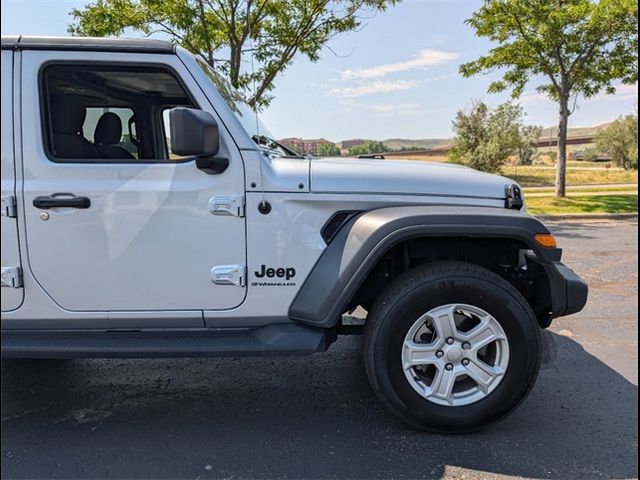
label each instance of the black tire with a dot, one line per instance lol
(416, 292)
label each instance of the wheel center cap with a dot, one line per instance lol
(454, 354)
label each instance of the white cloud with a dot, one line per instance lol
(425, 58)
(382, 109)
(372, 88)
(623, 92)
(533, 98)
(391, 107)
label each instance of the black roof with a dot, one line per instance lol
(137, 45)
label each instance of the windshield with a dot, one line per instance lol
(236, 103)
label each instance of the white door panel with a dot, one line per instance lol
(148, 241)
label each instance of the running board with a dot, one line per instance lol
(283, 339)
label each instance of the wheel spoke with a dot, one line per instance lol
(482, 334)
(444, 322)
(419, 353)
(442, 385)
(481, 373)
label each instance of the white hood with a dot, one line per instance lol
(409, 177)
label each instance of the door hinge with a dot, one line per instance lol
(11, 277)
(229, 275)
(8, 206)
(227, 205)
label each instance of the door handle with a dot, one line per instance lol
(57, 200)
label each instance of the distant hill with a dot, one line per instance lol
(394, 144)
(575, 132)
(426, 143)
(423, 143)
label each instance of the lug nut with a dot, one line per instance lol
(466, 345)
(450, 341)
(449, 366)
(465, 361)
(439, 353)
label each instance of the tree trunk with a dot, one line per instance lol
(561, 167)
(235, 60)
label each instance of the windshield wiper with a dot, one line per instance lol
(270, 143)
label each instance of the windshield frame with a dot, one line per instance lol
(246, 115)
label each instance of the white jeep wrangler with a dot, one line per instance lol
(146, 213)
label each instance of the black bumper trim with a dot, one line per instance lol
(568, 291)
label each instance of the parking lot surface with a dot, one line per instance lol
(317, 417)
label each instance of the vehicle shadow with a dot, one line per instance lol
(313, 417)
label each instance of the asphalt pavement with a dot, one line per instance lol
(317, 417)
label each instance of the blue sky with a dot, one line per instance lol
(397, 77)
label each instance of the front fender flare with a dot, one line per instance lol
(361, 243)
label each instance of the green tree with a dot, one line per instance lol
(620, 141)
(328, 150)
(528, 148)
(573, 47)
(590, 154)
(222, 32)
(367, 148)
(358, 150)
(486, 138)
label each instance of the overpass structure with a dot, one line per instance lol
(443, 150)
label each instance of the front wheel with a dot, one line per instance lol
(451, 347)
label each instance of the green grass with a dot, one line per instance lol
(583, 204)
(584, 164)
(586, 189)
(532, 176)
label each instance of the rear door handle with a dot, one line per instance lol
(61, 200)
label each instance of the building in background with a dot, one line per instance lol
(305, 146)
(345, 145)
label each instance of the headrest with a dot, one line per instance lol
(67, 114)
(108, 129)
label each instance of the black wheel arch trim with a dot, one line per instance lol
(364, 239)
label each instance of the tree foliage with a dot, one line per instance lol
(328, 150)
(485, 138)
(528, 148)
(590, 154)
(620, 141)
(369, 147)
(223, 32)
(571, 48)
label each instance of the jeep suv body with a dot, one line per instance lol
(146, 213)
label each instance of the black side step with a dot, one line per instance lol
(282, 339)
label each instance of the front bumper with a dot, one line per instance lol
(568, 291)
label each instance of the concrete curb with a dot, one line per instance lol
(589, 216)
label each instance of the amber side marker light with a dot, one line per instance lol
(546, 240)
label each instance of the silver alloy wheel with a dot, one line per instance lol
(455, 355)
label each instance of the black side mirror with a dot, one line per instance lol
(195, 133)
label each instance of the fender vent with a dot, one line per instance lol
(333, 225)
